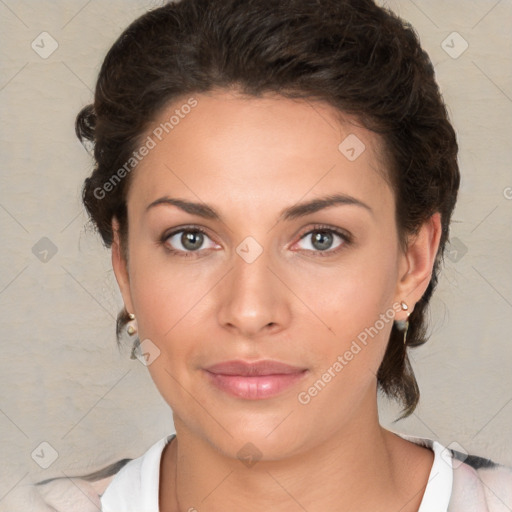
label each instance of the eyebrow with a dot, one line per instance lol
(290, 213)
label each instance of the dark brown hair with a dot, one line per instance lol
(352, 54)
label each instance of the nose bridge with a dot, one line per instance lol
(253, 297)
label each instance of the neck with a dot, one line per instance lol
(359, 467)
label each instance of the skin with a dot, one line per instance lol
(250, 158)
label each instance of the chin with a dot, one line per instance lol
(260, 436)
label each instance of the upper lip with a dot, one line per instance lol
(244, 368)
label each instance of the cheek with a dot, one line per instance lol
(344, 374)
(354, 300)
(351, 296)
(172, 310)
(163, 295)
(169, 308)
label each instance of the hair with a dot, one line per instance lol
(355, 56)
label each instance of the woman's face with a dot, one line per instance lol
(267, 277)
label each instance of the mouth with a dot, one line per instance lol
(254, 381)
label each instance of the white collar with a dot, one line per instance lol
(440, 480)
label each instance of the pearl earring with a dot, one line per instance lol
(131, 329)
(403, 325)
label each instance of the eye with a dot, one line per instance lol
(186, 241)
(327, 240)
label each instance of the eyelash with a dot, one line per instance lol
(346, 240)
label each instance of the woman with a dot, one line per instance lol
(276, 182)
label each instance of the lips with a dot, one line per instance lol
(254, 381)
(245, 369)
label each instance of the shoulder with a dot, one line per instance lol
(67, 494)
(124, 479)
(477, 484)
(480, 480)
(59, 495)
(74, 494)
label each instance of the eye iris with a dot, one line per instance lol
(323, 238)
(192, 240)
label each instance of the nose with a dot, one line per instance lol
(253, 299)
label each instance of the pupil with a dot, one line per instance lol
(192, 240)
(324, 240)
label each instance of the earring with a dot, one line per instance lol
(403, 325)
(131, 328)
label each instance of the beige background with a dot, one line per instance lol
(64, 382)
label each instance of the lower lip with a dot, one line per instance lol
(257, 387)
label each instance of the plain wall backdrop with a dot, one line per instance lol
(63, 380)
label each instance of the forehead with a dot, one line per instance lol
(229, 146)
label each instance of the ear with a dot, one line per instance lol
(120, 266)
(417, 262)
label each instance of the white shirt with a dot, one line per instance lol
(135, 487)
